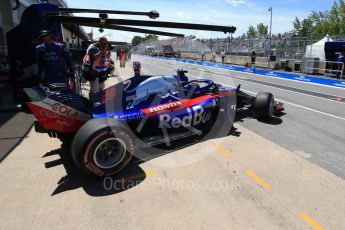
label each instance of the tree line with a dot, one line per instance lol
(259, 30)
(321, 23)
(138, 39)
(317, 23)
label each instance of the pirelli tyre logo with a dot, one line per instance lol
(196, 116)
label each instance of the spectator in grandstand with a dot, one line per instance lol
(253, 56)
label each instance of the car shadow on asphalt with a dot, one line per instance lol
(130, 177)
(133, 174)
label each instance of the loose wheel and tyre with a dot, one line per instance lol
(102, 147)
(264, 106)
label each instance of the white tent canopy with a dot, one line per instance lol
(317, 50)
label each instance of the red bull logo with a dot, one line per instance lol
(196, 116)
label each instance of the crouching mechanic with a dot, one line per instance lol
(52, 59)
(96, 66)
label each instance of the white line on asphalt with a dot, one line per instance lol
(295, 91)
(313, 110)
(300, 106)
(238, 78)
(260, 75)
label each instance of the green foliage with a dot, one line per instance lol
(321, 23)
(297, 26)
(306, 27)
(262, 29)
(150, 37)
(251, 32)
(136, 40)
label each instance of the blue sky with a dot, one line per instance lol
(239, 13)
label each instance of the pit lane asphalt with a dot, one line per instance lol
(313, 126)
(241, 181)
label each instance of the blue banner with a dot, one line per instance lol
(290, 76)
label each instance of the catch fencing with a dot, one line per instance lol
(283, 46)
(331, 69)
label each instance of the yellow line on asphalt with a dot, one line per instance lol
(139, 176)
(150, 174)
(223, 151)
(310, 221)
(257, 179)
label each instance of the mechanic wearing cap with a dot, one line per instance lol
(96, 55)
(52, 59)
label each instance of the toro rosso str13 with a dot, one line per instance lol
(139, 113)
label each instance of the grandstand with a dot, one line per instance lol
(282, 45)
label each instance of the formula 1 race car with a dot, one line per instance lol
(141, 112)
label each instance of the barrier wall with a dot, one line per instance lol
(290, 76)
(229, 59)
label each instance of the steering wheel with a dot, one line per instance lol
(204, 89)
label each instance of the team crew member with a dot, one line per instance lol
(214, 56)
(253, 56)
(341, 61)
(110, 59)
(223, 56)
(202, 53)
(52, 59)
(97, 55)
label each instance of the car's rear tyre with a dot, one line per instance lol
(102, 148)
(264, 106)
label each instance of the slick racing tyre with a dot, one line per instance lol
(102, 147)
(264, 106)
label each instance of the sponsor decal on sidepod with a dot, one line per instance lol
(196, 116)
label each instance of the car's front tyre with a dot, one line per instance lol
(264, 106)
